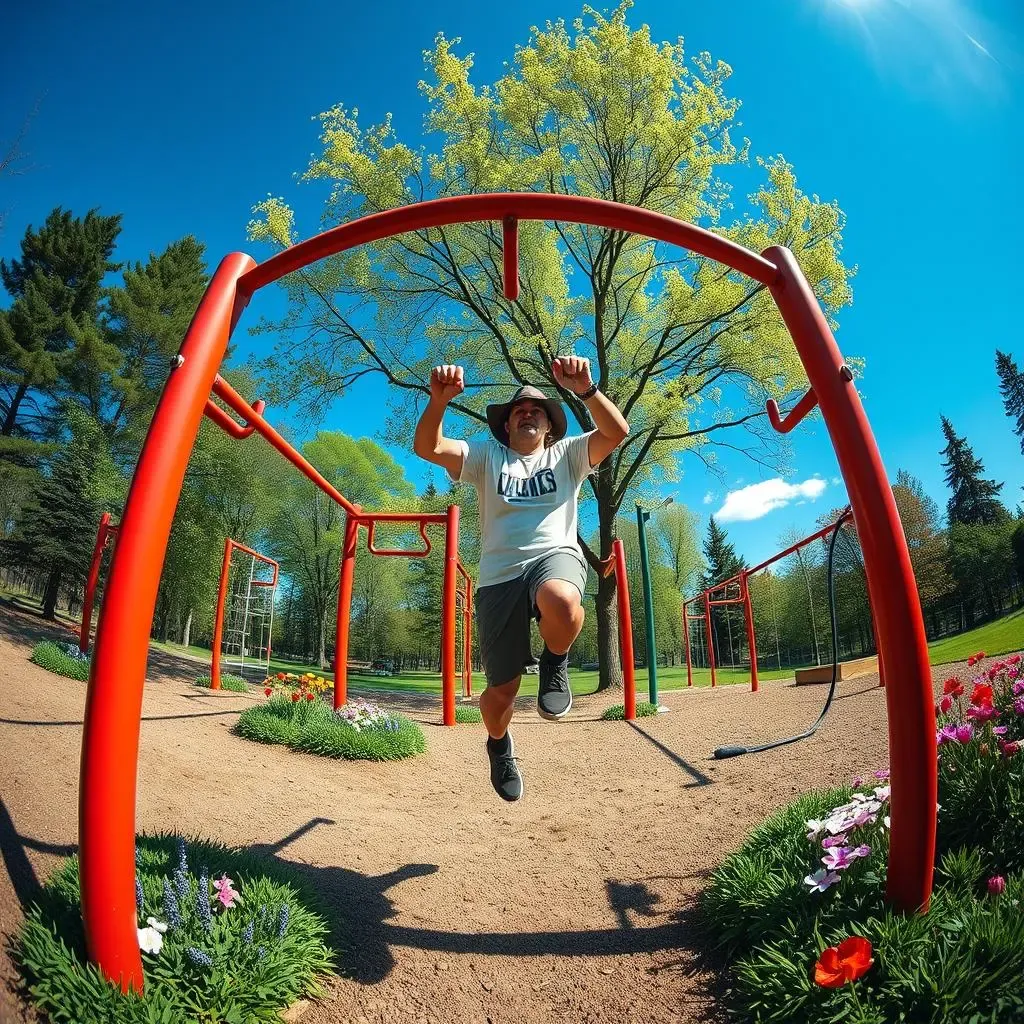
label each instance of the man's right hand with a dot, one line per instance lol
(446, 383)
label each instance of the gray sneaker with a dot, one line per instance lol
(554, 696)
(505, 777)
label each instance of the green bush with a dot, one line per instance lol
(617, 712)
(245, 963)
(314, 727)
(467, 713)
(227, 682)
(960, 963)
(55, 657)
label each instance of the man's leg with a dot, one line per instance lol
(558, 599)
(561, 614)
(496, 706)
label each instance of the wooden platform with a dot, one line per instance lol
(847, 670)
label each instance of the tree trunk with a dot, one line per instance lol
(12, 415)
(186, 633)
(51, 593)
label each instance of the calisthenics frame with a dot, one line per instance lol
(110, 742)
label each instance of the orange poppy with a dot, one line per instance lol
(846, 962)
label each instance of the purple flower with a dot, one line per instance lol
(139, 896)
(1018, 687)
(282, 919)
(171, 909)
(860, 851)
(999, 730)
(199, 957)
(985, 713)
(203, 901)
(964, 733)
(831, 841)
(865, 816)
(1018, 705)
(947, 734)
(838, 858)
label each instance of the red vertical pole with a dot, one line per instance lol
(467, 642)
(92, 581)
(625, 630)
(895, 602)
(451, 559)
(686, 644)
(345, 578)
(708, 634)
(748, 614)
(218, 619)
(113, 707)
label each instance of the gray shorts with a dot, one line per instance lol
(504, 611)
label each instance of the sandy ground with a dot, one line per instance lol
(573, 905)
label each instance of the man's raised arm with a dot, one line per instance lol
(429, 442)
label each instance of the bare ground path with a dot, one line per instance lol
(450, 906)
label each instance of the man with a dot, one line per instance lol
(528, 477)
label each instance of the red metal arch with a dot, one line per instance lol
(114, 703)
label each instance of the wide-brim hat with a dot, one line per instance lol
(497, 415)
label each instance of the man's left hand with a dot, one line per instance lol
(572, 373)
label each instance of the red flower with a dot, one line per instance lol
(267, 690)
(997, 885)
(953, 687)
(280, 675)
(295, 696)
(310, 696)
(945, 704)
(981, 695)
(1009, 749)
(846, 962)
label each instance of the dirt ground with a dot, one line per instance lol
(573, 905)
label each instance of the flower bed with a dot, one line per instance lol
(225, 935)
(800, 913)
(227, 682)
(62, 657)
(358, 731)
(617, 712)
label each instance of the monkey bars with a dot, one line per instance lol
(110, 742)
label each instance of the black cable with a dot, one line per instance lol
(723, 752)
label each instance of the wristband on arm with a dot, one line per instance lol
(588, 394)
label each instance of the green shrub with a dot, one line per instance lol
(227, 682)
(467, 713)
(245, 963)
(58, 657)
(617, 712)
(314, 727)
(961, 962)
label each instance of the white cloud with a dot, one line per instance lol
(837, 480)
(708, 498)
(757, 500)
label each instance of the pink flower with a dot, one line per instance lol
(964, 733)
(225, 893)
(1009, 749)
(1018, 705)
(984, 713)
(831, 841)
(858, 782)
(947, 734)
(882, 774)
(838, 858)
(997, 885)
(1018, 687)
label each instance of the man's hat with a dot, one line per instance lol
(497, 415)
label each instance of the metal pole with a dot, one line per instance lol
(92, 581)
(708, 634)
(218, 619)
(748, 613)
(348, 569)
(451, 559)
(686, 645)
(625, 630)
(645, 573)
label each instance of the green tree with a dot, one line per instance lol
(49, 339)
(982, 563)
(974, 501)
(58, 522)
(720, 556)
(925, 539)
(684, 347)
(727, 622)
(1011, 387)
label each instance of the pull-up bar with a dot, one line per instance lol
(107, 531)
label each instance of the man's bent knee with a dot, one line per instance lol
(560, 601)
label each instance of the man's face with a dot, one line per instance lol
(528, 423)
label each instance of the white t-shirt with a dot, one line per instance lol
(527, 502)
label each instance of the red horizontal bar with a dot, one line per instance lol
(227, 424)
(496, 207)
(224, 391)
(262, 558)
(398, 552)
(799, 544)
(400, 517)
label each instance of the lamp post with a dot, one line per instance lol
(642, 516)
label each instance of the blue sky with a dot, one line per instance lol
(907, 112)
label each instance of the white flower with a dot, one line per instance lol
(885, 821)
(882, 792)
(821, 880)
(814, 828)
(151, 939)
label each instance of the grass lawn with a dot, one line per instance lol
(1003, 636)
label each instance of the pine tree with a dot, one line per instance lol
(974, 501)
(1011, 387)
(720, 556)
(50, 341)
